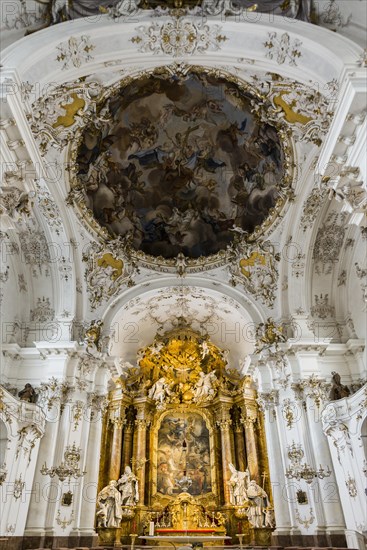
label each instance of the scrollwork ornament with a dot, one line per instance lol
(304, 521)
(109, 266)
(178, 37)
(256, 268)
(54, 392)
(18, 487)
(267, 401)
(288, 413)
(57, 115)
(283, 49)
(351, 486)
(316, 388)
(268, 336)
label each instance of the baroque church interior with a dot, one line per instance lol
(183, 274)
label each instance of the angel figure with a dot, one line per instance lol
(128, 486)
(205, 387)
(160, 391)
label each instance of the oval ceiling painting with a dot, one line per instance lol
(182, 165)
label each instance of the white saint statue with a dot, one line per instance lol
(259, 500)
(128, 486)
(109, 512)
(238, 483)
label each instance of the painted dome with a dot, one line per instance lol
(183, 164)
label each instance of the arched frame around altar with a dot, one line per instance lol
(182, 419)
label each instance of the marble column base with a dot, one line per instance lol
(320, 540)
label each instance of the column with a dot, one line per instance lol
(141, 447)
(116, 448)
(269, 401)
(240, 447)
(251, 446)
(88, 510)
(224, 424)
(44, 484)
(127, 445)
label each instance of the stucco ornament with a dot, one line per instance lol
(268, 336)
(256, 268)
(16, 203)
(109, 267)
(283, 49)
(308, 112)
(75, 52)
(178, 37)
(336, 430)
(56, 115)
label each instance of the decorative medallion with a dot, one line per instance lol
(178, 37)
(283, 49)
(75, 52)
(180, 166)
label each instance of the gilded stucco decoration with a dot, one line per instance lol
(268, 337)
(52, 393)
(183, 369)
(35, 252)
(308, 112)
(312, 207)
(255, 267)
(108, 268)
(43, 311)
(16, 203)
(56, 116)
(337, 431)
(178, 37)
(321, 308)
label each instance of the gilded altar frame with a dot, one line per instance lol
(185, 410)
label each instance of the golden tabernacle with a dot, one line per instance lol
(184, 449)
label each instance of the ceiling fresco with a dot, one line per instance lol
(183, 165)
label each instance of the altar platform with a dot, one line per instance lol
(187, 540)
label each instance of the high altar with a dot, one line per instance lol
(190, 429)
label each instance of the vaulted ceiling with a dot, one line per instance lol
(69, 151)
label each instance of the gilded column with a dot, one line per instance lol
(116, 448)
(224, 424)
